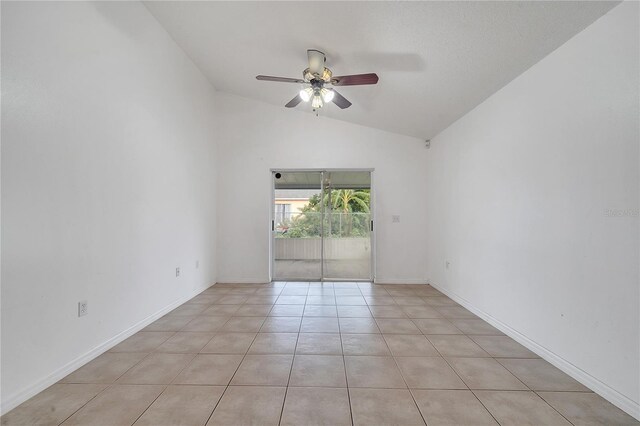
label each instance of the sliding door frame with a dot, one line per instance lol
(372, 223)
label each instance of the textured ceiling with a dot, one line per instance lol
(436, 60)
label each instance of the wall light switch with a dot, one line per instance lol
(395, 218)
(177, 272)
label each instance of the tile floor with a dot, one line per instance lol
(318, 353)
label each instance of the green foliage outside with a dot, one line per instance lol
(348, 217)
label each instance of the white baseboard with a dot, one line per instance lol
(18, 398)
(399, 281)
(616, 398)
(235, 280)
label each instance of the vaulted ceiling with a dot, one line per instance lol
(436, 60)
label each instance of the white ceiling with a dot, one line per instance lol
(436, 60)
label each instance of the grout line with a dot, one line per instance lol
(293, 359)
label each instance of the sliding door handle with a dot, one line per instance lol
(372, 226)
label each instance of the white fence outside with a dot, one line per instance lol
(310, 248)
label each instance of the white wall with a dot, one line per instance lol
(518, 191)
(108, 182)
(257, 137)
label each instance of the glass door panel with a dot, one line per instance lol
(346, 225)
(297, 226)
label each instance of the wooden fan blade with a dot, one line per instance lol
(355, 79)
(294, 102)
(279, 79)
(340, 100)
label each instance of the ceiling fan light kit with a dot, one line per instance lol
(314, 79)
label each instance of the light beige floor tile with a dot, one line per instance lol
(169, 323)
(436, 326)
(249, 405)
(409, 345)
(485, 373)
(264, 370)
(321, 291)
(503, 347)
(268, 292)
(229, 343)
(281, 325)
(428, 291)
(156, 369)
(232, 300)
(520, 409)
(274, 343)
(185, 342)
(205, 299)
(261, 300)
(143, 341)
(319, 325)
(358, 325)
(421, 312)
(318, 370)
(456, 346)
(182, 405)
(320, 311)
(116, 406)
(106, 368)
(399, 292)
(379, 300)
(353, 312)
(206, 369)
(397, 326)
(321, 301)
(52, 406)
(383, 407)
(287, 311)
(364, 344)
(253, 311)
(291, 300)
(373, 372)
(221, 310)
(206, 324)
(186, 309)
(409, 301)
(476, 327)
(387, 311)
(319, 344)
(455, 312)
(347, 291)
(295, 291)
(350, 300)
(429, 373)
(587, 409)
(440, 301)
(243, 324)
(316, 407)
(452, 408)
(539, 375)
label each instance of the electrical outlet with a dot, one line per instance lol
(395, 218)
(177, 272)
(447, 264)
(83, 308)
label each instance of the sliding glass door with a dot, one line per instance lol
(347, 224)
(321, 225)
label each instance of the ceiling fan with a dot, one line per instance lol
(316, 78)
